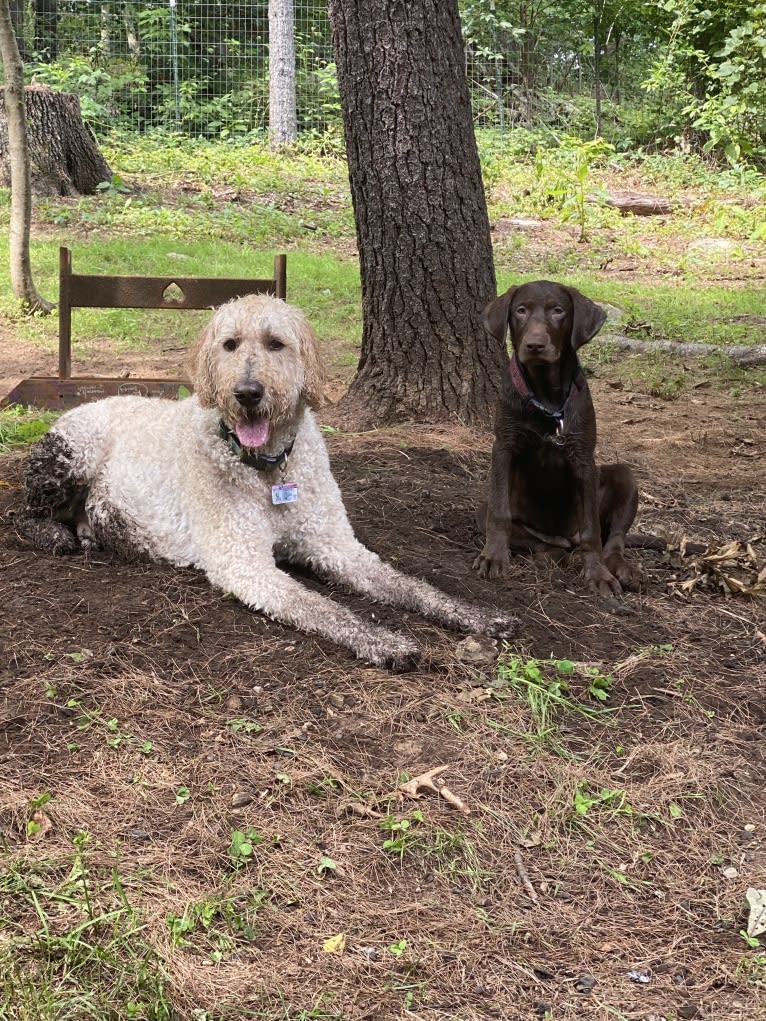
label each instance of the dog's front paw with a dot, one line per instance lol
(491, 563)
(601, 581)
(392, 651)
(47, 535)
(495, 623)
(630, 576)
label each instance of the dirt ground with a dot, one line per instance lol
(603, 867)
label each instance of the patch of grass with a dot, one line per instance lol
(73, 946)
(402, 839)
(21, 426)
(454, 855)
(218, 925)
(752, 969)
(546, 689)
(722, 316)
(608, 802)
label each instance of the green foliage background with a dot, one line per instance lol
(642, 75)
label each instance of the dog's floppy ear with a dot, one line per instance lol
(313, 368)
(200, 369)
(587, 318)
(495, 315)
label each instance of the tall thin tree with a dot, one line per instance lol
(21, 183)
(283, 121)
(423, 234)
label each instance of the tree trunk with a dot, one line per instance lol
(283, 123)
(105, 34)
(64, 157)
(18, 168)
(421, 218)
(597, 65)
(131, 32)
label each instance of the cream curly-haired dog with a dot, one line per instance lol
(229, 481)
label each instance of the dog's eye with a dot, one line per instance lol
(557, 311)
(273, 344)
(521, 310)
(231, 344)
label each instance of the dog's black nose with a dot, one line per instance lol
(249, 395)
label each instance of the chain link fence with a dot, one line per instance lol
(201, 67)
(198, 68)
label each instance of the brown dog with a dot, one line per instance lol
(545, 491)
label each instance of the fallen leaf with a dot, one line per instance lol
(335, 944)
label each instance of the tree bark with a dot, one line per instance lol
(597, 65)
(18, 168)
(283, 121)
(131, 32)
(64, 158)
(105, 34)
(421, 218)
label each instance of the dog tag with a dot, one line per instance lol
(284, 492)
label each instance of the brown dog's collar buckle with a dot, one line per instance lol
(559, 437)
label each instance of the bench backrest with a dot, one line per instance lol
(79, 290)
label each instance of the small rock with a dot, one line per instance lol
(336, 700)
(639, 976)
(688, 1011)
(477, 651)
(242, 798)
(369, 952)
(584, 983)
(139, 835)
(729, 872)
(542, 971)
(712, 247)
(234, 702)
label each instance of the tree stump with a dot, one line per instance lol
(65, 159)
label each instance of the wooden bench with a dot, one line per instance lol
(77, 290)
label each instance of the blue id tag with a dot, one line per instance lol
(284, 492)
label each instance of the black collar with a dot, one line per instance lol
(528, 399)
(262, 462)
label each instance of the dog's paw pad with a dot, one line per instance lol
(395, 653)
(501, 626)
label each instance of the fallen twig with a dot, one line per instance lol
(357, 808)
(524, 876)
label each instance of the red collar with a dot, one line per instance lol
(528, 399)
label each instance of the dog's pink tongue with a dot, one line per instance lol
(253, 434)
